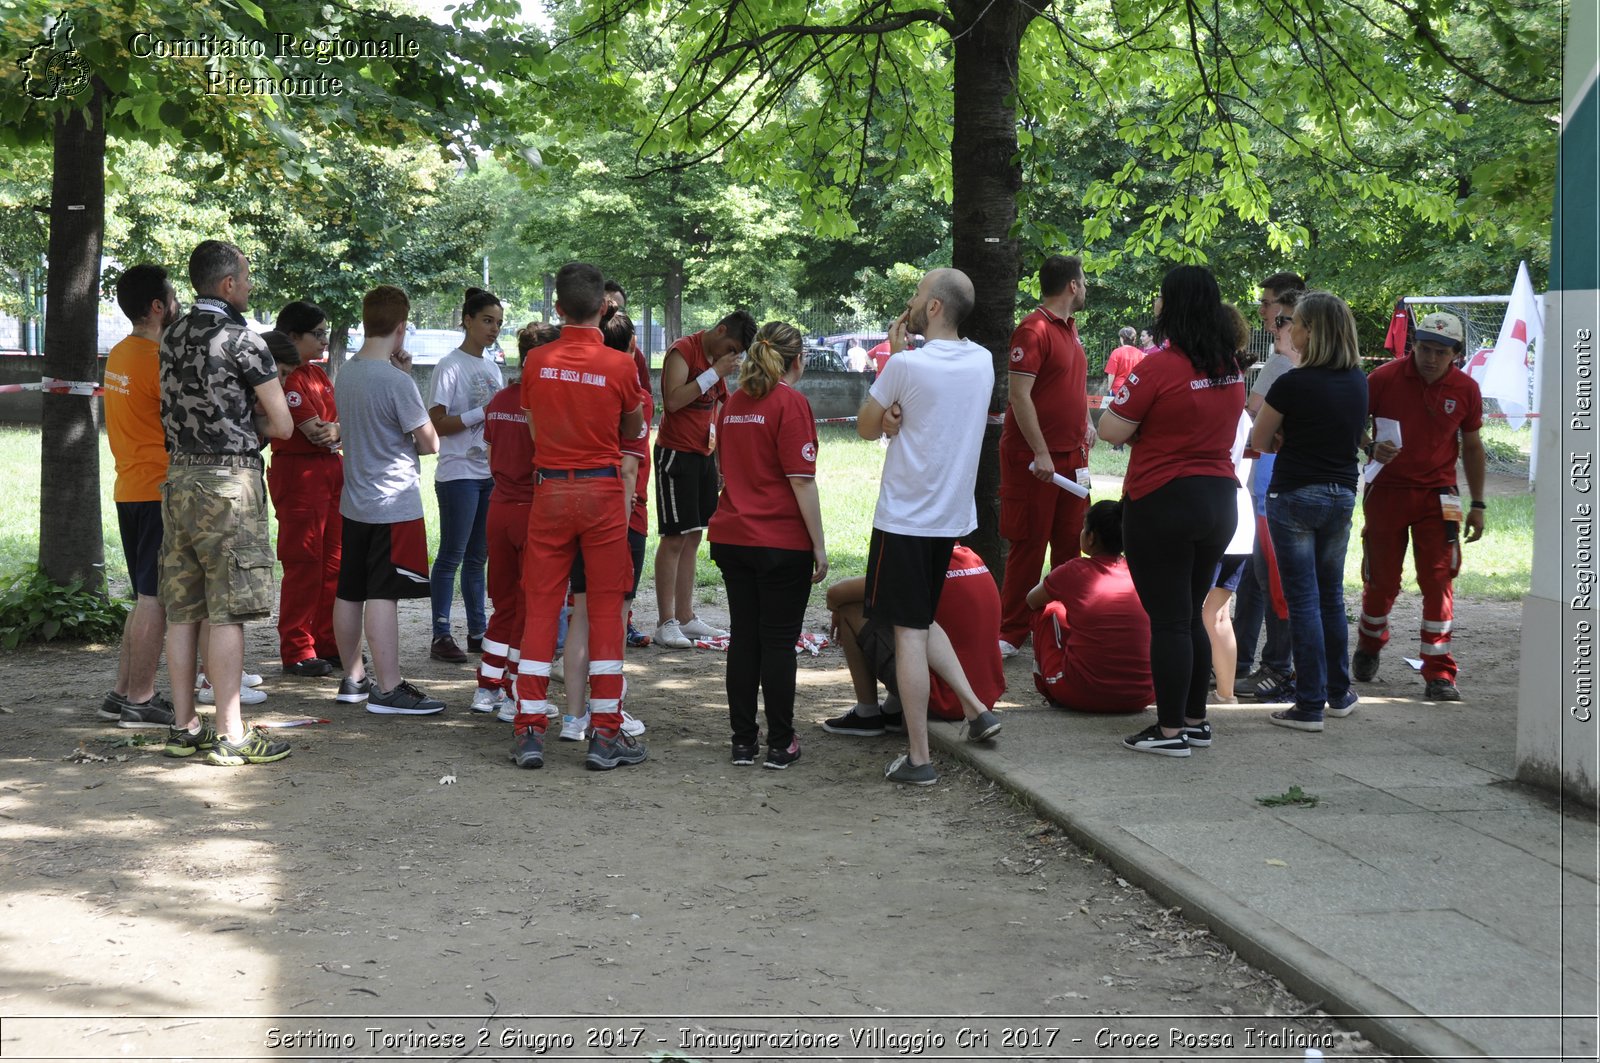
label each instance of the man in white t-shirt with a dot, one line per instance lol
(933, 404)
(855, 358)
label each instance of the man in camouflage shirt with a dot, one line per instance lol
(219, 393)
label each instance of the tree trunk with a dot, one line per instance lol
(70, 544)
(987, 178)
(672, 306)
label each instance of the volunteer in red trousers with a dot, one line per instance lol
(505, 432)
(579, 395)
(305, 480)
(1047, 424)
(1416, 496)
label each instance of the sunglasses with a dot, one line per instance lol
(1281, 320)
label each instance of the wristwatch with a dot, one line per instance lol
(1478, 505)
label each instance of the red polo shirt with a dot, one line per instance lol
(1430, 416)
(688, 429)
(1046, 347)
(576, 390)
(308, 393)
(1120, 363)
(969, 612)
(764, 441)
(505, 431)
(1186, 421)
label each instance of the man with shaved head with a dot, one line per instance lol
(932, 403)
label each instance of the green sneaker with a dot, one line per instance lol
(180, 743)
(257, 747)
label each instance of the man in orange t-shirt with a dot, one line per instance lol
(138, 446)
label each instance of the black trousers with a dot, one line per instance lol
(767, 594)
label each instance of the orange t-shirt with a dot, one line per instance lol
(133, 420)
(576, 390)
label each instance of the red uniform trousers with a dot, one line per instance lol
(1033, 515)
(508, 540)
(569, 515)
(1391, 514)
(305, 496)
(1061, 679)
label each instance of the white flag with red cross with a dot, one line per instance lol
(1507, 375)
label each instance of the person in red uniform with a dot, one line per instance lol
(1415, 495)
(1091, 643)
(639, 523)
(579, 394)
(1046, 425)
(305, 481)
(1122, 361)
(969, 613)
(686, 477)
(505, 432)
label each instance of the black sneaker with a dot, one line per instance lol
(156, 712)
(984, 726)
(1245, 685)
(901, 770)
(310, 668)
(1274, 686)
(1363, 667)
(894, 723)
(613, 749)
(353, 691)
(778, 759)
(404, 700)
(256, 747)
(180, 743)
(1442, 690)
(474, 643)
(1151, 740)
(111, 708)
(527, 748)
(853, 723)
(745, 753)
(1198, 734)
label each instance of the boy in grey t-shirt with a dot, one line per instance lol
(383, 426)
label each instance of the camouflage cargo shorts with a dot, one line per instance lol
(216, 553)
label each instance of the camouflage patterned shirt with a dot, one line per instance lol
(210, 367)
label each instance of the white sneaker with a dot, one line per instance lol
(631, 725)
(250, 679)
(671, 636)
(247, 695)
(574, 728)
(558, 671)
(699, 629)
(1007, 650)
(508, 711)
(485, 699)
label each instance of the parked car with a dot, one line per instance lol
(429, 345)
(824, 359)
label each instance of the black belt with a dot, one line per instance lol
(234, 461)
(607, 473)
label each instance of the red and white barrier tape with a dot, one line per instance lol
(57, 387)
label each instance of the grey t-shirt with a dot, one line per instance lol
(1276, 366)
(378, 406)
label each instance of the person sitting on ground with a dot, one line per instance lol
(969, 613)
(1091, 641)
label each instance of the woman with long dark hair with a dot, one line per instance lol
(1180, 409)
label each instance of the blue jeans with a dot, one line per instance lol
(463, 544)
(1310, 531)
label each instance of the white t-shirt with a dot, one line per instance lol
(943, 389)
(461, 383)
(1244, 534)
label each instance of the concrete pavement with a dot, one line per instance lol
(1447, 910)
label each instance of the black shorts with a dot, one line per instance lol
(635, 550)
(386, 562)
(905, 576)
(140, 525)
(686, 491)
(877, 645)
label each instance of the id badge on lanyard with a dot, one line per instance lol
(1450, 510)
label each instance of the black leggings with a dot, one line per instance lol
(1174, 536)
(767, 594)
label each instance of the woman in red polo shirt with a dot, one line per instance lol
(1180, 409)
(766, 537)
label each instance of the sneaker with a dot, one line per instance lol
(475, 644)
(250, 679)
(670, 636)
(153, 713)
(487, 699)
(256, 747)
(310, 668)
(613, 749)
(1274, 686)
(404, 700)
(853, 723)
(745, 753)
(1363, 666)
(575, 728)
(1245, 685)
(1298, 719)
(507, 713)
(180, 743)
(695, 628)
(636, 639)
(1007, 651)
(983, 726)
(903, 771)
(778, 759)
(894, 723)
(205, 695)
(111, 707)
(1442, 690)
(444, 649)
(558, 671)
(1198, 734)
(1151, 740)
(1345, 706)
(354, 690)
(527, 748)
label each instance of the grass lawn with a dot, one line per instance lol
(847, 476)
